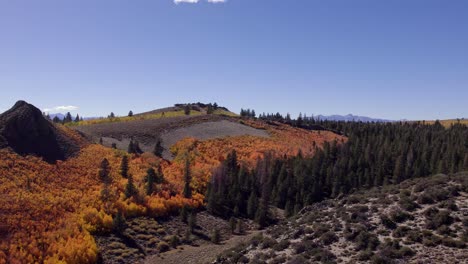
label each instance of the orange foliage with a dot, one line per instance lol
(51, 210)
(207, 154)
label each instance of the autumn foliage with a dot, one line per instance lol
(49, 212)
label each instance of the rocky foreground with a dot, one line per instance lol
(423, 220)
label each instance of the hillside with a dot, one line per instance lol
(418, 221)
(71, 210)
(24, 129)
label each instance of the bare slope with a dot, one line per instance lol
(210, 130)
(170, 130)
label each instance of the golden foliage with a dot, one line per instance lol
(50, 211)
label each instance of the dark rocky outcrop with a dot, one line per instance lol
(24, 129)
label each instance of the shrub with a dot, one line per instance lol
(174, 241)
(282, 245)
(268, 243)
(437, 220)
(387, 222)
(408, 204)
(449, 204)
(400, 216)
(297, 260)
(365, 255)
(328, 238)
(299, 248)
(450, 242)
(216, 236)
(162, 246)
(320, 229)
(429, 239)
(366, 240)
(444, 230)
(414, 236)
(256, 240)
(401, 231)
(424, 198)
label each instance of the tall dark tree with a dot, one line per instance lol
(111, 115)
(130, 188)
(134, 147)
(124, 167)
(77, 118)
(158, 148)
(68, 118)
(210, 109)
(187, 109)
(150, 180)
(104, 171)
(130, 114)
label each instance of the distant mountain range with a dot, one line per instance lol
(351, 118)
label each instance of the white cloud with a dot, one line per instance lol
(62, 108)
(186, 1)
(196, 1)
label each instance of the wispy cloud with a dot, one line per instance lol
(196, 1)
(62, 108)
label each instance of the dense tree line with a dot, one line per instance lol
(375, 154)
(247, 113)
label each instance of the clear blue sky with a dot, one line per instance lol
(390, 59)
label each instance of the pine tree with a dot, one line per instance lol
(130, 188)
(111, 115)
(158, 148)
(184, 214)
(192, 221)
(150, 180)
(68, 118)
(119, 223)
(104, 171)
(209, 109)
(299, 121)
(232, 224)
(77, 118)
(252, 205)
(187, 109)
(124, 167)
(187, 179)
(240, 227)
(130, 114)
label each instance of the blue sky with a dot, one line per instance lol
(389, 59)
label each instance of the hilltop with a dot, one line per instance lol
(26, 131)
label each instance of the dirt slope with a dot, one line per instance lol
(171, 130)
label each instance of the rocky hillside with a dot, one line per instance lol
(423, 220)
(24, 129)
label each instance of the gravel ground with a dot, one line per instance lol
(170, 130)
(198, 255)
(209, 130)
